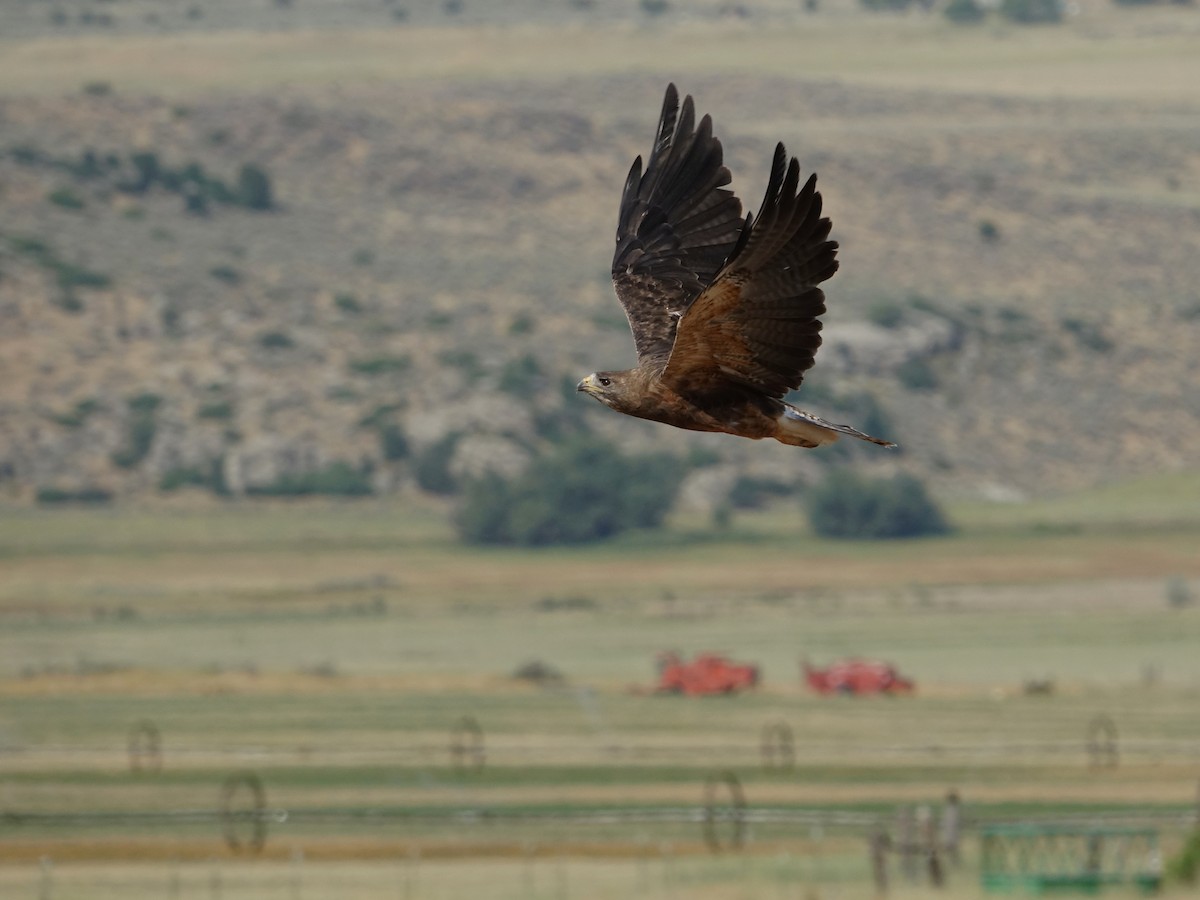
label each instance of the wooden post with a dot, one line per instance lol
(952, 828)
(929, 845)
(878, 845)
(906, 843)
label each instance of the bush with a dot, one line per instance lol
(963, 12)
(254, 188)
(141, 431)
(1032, 12)
(583, 492)
(276, 340)
(50, 495)
(749, 492)
(226, 273)
(886, 314)
(1185, 867)
(338, 478)
(1087, 334)
(432, 467)
(917, 375)
(846, 505)
(379, 365)
(392, 442)
(66, 198)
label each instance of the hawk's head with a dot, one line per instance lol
(607, 387)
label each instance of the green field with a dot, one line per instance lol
(333, 648)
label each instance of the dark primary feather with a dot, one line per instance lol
(758, 323)
(676, 226)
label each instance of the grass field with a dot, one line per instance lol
(1100, 54)
(332, 649)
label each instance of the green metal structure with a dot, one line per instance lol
(1077, 858)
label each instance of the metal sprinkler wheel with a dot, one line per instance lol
(1102, 743)
(466, 746)
(724, 823)
(244, 813)
(777, 747)
(145, 747)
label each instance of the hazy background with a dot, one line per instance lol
(293, 298)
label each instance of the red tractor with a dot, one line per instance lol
(708, 673)
(857, 676)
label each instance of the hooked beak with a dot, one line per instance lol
(588, 385)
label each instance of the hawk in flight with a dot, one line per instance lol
(725, 311)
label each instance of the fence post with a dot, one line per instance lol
(952, 827)
(1102, 742)
(411, 872)
(906, 843)
(297, 873)
(878, 845)
(930, 845)
(46, 883)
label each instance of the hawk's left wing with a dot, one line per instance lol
(758, 324)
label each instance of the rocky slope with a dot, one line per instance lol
(1018, 304)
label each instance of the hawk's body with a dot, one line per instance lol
(725, 311)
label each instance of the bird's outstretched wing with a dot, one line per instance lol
(677, 226)
(757, 325)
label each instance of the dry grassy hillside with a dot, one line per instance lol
(1017, 304)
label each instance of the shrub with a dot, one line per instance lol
(585, 491)
(379, 365)
(347, 303)
(1087, 334)
(49, 495)
(1186, 865)
(432, 466)
(749, 492)
(964, 12)
(917, 375)
(254, 188)
(1032, 12)
(142, 428)
(338, 478)
(392, 442)
(221, 409)
(846, 505)
(989, 231)
(78, 415)
(173, 479)
(275, 340)
(226, 273)
(520, 377)
(66, 198)
(886, 314)
(1179, 595)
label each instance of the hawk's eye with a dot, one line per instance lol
(604, 382)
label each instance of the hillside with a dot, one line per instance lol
(1017, 305)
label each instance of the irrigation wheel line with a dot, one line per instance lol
(145, 747)
(466, 746)
(778, 747)
(234, 815)
(734, 812)
(1102, 742)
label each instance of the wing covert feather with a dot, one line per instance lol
(758, 324)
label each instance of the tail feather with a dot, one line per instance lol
(807, 430)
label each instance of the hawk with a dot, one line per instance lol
(725, 311)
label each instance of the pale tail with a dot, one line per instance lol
(808, 430)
